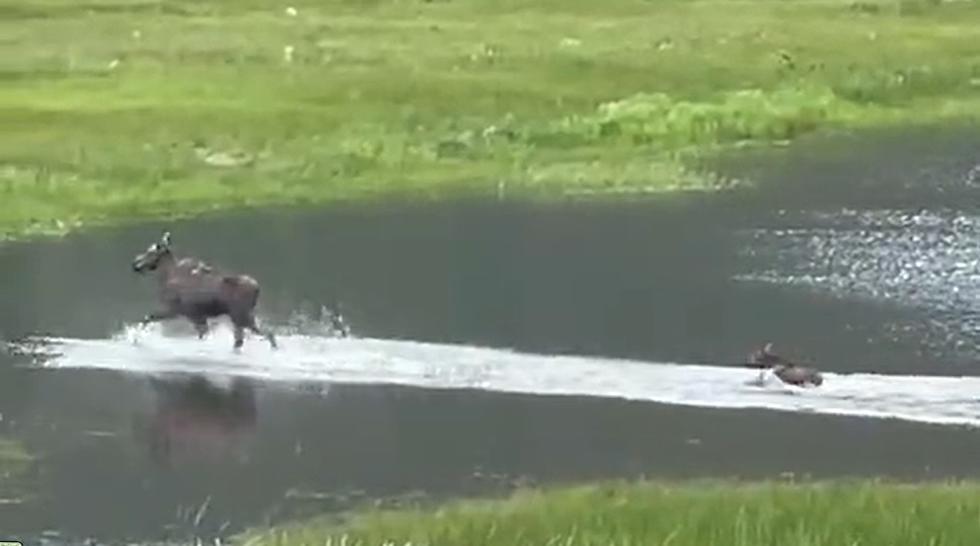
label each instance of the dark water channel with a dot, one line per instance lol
(858, 253)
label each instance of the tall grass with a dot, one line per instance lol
(121, 109)
(867, 513)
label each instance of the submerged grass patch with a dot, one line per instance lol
(12, 455)
(124, 109)
(14, 462)
(869, 513)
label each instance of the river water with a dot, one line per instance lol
(494, 344)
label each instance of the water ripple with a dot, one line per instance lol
(926, 260)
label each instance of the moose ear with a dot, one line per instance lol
(165, 240)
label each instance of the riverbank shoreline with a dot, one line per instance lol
(129, 111)
(866, 511)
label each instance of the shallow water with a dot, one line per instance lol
(499, 342)
(325, 360)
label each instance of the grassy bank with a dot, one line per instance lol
(761, 514)
(120, 109)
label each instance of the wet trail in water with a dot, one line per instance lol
(306, 359)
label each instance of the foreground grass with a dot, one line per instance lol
(120, 109)
(723, 514)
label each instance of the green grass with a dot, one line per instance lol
(866, 513)
(14, 462)
(110, 109)
(13, 455)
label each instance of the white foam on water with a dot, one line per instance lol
(306, 358)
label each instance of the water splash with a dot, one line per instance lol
(310, 358)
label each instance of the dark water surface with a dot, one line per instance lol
(858, 254)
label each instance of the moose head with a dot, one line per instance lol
(150, 259)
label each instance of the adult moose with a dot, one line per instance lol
(193, 289)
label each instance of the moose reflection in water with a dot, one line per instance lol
(193, 289)
(195, 416)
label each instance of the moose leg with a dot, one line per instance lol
(156, 316)
(247, 321)
(264, 333)
(201, 326)
(239, 337)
